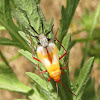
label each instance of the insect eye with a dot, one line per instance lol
(49, 39)
(38, 43)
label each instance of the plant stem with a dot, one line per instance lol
(90, 34)
(16, 35)
(4, 59)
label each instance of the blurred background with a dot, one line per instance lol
(80, 28)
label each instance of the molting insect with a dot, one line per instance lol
(47, 53)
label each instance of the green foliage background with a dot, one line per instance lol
(41, 89)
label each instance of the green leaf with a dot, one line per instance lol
(38, 80)
(27, 38)
(66, 44)
(83, 79)
(2, 28)
(76, 73)
(67, 14)
(7, 22)
(15, 57)
(42, 86)
(89, 92)
(6, 41)
(22, 34)
(28, 55)
(65, 78)
(9, 81)
(51, 35)
(6, 19)
(29, 8)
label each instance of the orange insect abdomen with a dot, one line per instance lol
(55, 72)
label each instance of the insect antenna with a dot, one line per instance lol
(31, 34)
(30, 24)
(57, 90)
(42, 23)
(40, 19)
(50, 30)
(67, 88)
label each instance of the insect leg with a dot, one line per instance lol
(32, 44)
(64, 67)
(61, 46)
(49, 79)
(32, 53)
(41, 71)
(63, 55)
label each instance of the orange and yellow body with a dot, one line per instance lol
(49, 57)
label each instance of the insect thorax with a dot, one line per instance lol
(43, 40)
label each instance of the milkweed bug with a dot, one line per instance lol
(47, 53)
